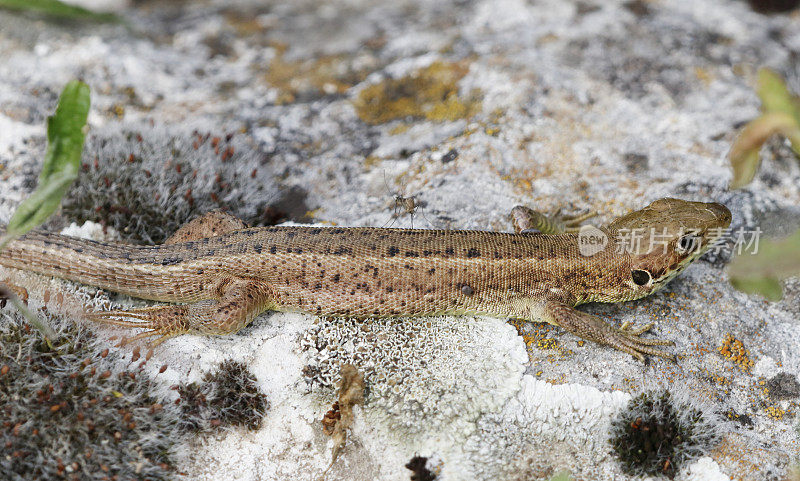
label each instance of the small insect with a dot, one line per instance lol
(407, 206)
(403, 205)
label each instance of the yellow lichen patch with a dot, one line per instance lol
(776, 412)
(311, 214)
(534, 335)
(733, 350)
(561, 379)
(772, 409)
(118, 110)
(399, 129)
(718, 382)
(245, 23)
(518, 324)
(548, 343)
(430, 93)
(630, 383)
(721, 380)
(328, 74)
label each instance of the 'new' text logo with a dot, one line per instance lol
(591, 240)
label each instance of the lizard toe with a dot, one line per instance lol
(162, 321)
(625, 340)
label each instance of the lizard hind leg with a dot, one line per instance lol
(239, 301)
(210, 224)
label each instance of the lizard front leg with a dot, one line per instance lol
(526, 220)
(593, 328)
(238, 302)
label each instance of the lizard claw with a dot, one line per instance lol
(626, 327)
(628, 340)
(162, 321)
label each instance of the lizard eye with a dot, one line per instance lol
(688, 243)
(640, 277)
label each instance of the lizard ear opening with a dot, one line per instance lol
(640, 277)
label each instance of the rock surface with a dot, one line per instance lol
(327, 111)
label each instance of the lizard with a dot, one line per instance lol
(218, 274)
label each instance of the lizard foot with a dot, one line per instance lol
(162, 321)
(593, 328)
(526, 220)
(240, 300)
(628, 340)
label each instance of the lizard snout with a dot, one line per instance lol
(721, 212)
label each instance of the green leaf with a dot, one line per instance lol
(781, 115)
(563, 476)
(58, 9)
(774, 95)
(62, 161)
(33, 319)
(765, 286)
(762, 273)
(776, 98)
(744, 156)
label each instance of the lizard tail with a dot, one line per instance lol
(79, 260)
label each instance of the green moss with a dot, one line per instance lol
(228, 396)
(654, 435)
(146, 182)
(430, 93)
(64, 414)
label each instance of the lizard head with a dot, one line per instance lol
(665, 237)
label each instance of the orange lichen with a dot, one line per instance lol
(732, 415)
(733, 350)
(535, 334)
(739, 457)
(561, 379)
(547, 343)
(776, 412)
